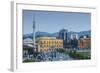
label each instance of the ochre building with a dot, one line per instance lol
(49, 43)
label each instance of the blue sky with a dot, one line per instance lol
(51, 22)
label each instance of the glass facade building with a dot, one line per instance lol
(63, 36)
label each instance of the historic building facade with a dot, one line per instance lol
(84, 43)
(49, 43)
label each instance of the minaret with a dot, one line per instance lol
(34, 30)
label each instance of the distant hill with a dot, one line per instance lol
(82, 33)
(41, 34)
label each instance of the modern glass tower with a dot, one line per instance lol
(63, 35)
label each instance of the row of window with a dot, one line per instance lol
(49, 42)
(42, 49)
(51, 45)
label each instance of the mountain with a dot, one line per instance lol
(86, 33)
(41, 34)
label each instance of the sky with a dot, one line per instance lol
(51, 22)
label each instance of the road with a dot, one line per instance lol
(53, 56)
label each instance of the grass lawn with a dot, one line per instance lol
(76, 55)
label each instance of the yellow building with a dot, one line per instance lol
(48, 43)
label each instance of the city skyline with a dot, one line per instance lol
(47, 20)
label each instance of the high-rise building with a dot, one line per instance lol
(63, 36)
(74, 40)
(74, 36)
